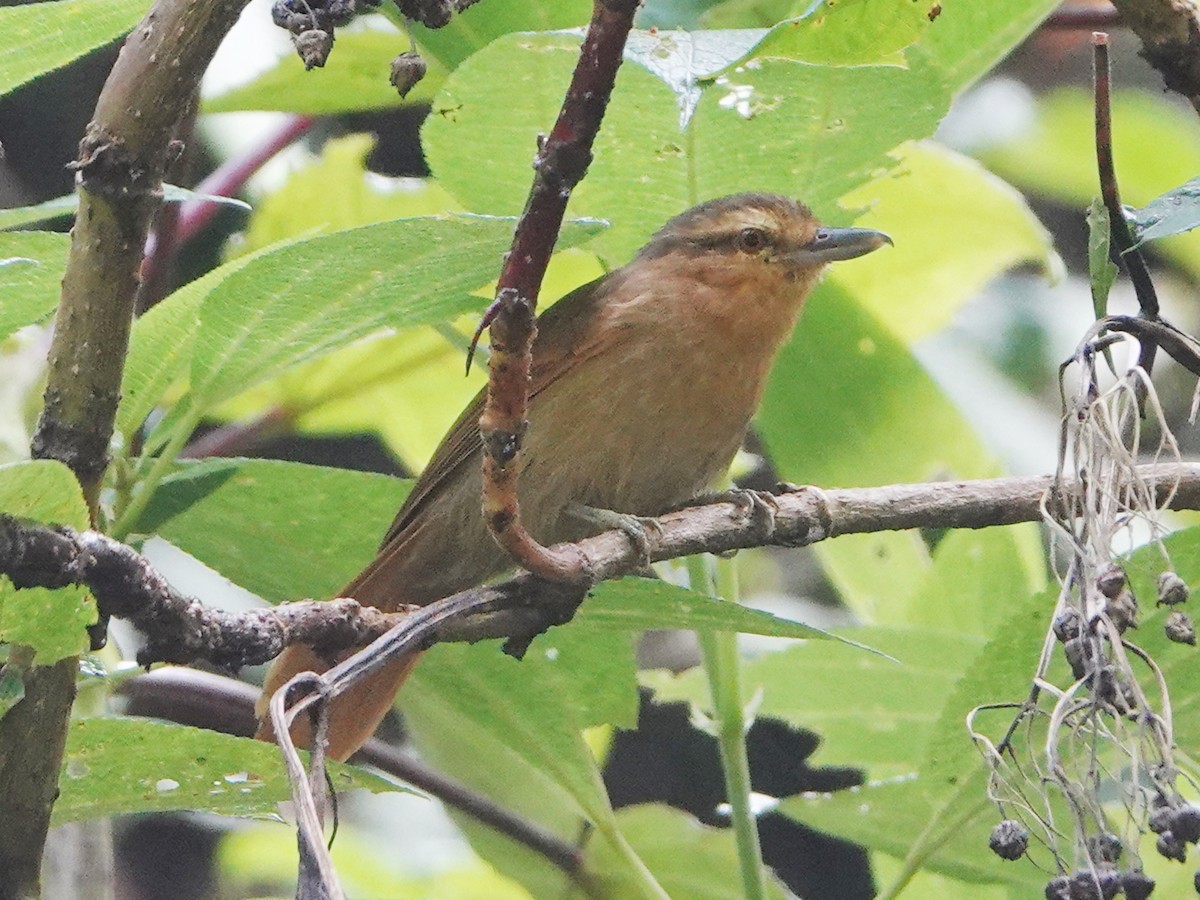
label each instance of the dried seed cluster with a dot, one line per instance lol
(1087, 767)
(311, 24)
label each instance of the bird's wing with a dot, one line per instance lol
(565, 339)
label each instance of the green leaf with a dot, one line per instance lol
(260, 860)
(809, 131)
(41, 37)
(804, 130)
(57, 208)
(116, 765)
(870, 710)
(334, 191)
(67, 204)
(280, 529)
(849, 33)
(53, 623)
(291, 305)
(888, 816)
(882, 421)
(474, 29)
(1174, 212)
(353, 80)
(640, 604)
(31, 270)
(950, 241)
(160, 346)
(1101, 269)
(970, 570)
(467, 704)
(686, 858)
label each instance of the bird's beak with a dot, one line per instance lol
(832, 244)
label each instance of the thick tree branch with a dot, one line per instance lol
(180, 629)
(1170, 35)
(121, 161)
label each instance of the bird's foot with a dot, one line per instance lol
(756, 507)
(636, 528)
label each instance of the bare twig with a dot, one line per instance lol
(179, 629)
(562, 160)
(1125, 253)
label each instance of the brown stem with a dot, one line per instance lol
(562, 161)
(1123, 251)
(119, 175)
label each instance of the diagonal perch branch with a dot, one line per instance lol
(180, 628)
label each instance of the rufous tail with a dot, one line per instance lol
(354, 715)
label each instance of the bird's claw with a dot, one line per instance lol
(636, 528)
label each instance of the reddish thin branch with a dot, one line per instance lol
(225, 181)
(562, 161)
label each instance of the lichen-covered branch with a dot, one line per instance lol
(180, 629)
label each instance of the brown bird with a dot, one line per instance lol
(643, 384)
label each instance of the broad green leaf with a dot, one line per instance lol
(44, 36)
(334, 191)
(969, 38)
(1174, 212)
(809, 131)
(950, 240)
(639, 604)
(687, 858)
(67, 204)
(291, 305)
(1156, 144)
(848, 32)
(781, 126)
(1101, 270)
(512, 730)
(283, 530)
(354, 79)
(116, 765)
(684, 59)
(160, 346)
(870, 710)
(53, 623)
(975, 578)
(847, 405)
(31, 271)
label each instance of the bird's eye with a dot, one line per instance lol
(752, 240)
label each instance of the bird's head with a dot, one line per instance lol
(749, 232)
